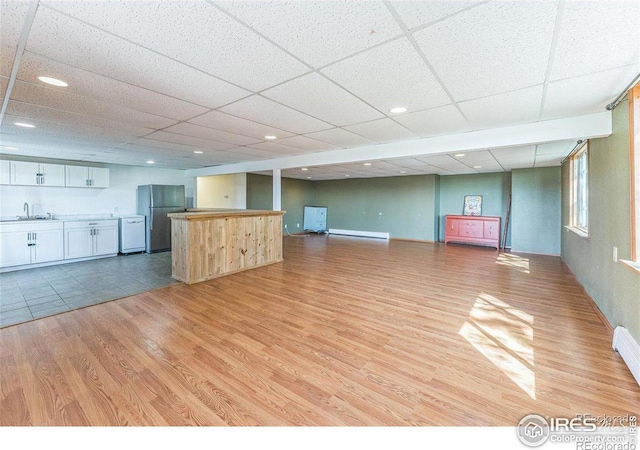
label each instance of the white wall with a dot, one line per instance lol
(119, 198)
(222, 191)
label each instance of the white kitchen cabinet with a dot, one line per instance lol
(36, 174)
(78, 243)
(5, 172)
(30, 243)
(85, 239)
(14, 248)
(80, 176)
(105, 240)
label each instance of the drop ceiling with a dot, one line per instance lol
(161, 80)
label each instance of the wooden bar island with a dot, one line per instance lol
(213, 243)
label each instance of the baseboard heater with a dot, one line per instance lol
(629, 349)
(369, 234)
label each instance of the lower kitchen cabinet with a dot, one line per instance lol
(30, 243)
(84, 239)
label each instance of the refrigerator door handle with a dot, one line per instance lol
(151, 219)
(151, 194)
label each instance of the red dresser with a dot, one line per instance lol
(480, 230)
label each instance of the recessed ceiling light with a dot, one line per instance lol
(459, 155)
(53, 81)
(198, 152)
(151, 162)
(403, 171)
(398, 110)
(304, 168)
(347, 175)
(270, 137)
(308, 178)
(367, 164)
(23, 124)
(477, 167)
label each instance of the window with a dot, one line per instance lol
(580, 189)
(634, 164)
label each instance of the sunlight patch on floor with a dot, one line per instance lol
(503, 335)
(517, 262)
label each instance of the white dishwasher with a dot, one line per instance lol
(132, 234)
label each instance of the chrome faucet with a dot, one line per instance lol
(26, 208)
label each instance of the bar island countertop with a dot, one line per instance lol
(210, 243)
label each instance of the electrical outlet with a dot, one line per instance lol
(615, 254)
(285, 226)
(297, 225)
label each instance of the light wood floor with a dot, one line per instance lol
(346, 331)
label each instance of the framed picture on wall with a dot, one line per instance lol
(472, 205)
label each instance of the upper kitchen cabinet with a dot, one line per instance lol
(36, 174)
(79, 176)
(5, 172)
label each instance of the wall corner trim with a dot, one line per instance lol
(628, 349)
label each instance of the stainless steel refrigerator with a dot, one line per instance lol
(155, 201)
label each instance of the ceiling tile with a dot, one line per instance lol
(238, 125)
(12, 20)
(414, 13)
(46, 130)
(340, 138)
(188, 140)
(189, 129)
(407, 162)
(279, 149)
(37, 94)
(401, 78)
(7, 56)
(262, 110)
(315, 95)
(434, 122)
(442, 162)
(54, 116)
(318, 32)
(493, 48)
(528, 151)
(195, 33)
(586, 42)
(71, 42)
(91, 85)
(476, 157)
(382, 130)
(307, 143)
(521, 106)
(566, 97)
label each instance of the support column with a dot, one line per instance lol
(277, 190)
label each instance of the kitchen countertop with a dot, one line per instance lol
(202, 214)
(60, 218)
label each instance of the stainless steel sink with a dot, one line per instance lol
(25, 218)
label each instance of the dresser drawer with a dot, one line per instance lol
(471, 228)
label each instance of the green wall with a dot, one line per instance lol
(259, 192)
(535, 210)
(403, 206)
(414, 207)
(494, 188)
(295, 194)
(613, 286)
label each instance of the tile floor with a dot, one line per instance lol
(35, 293)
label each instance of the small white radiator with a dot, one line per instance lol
(629, 349)
(369, 234)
